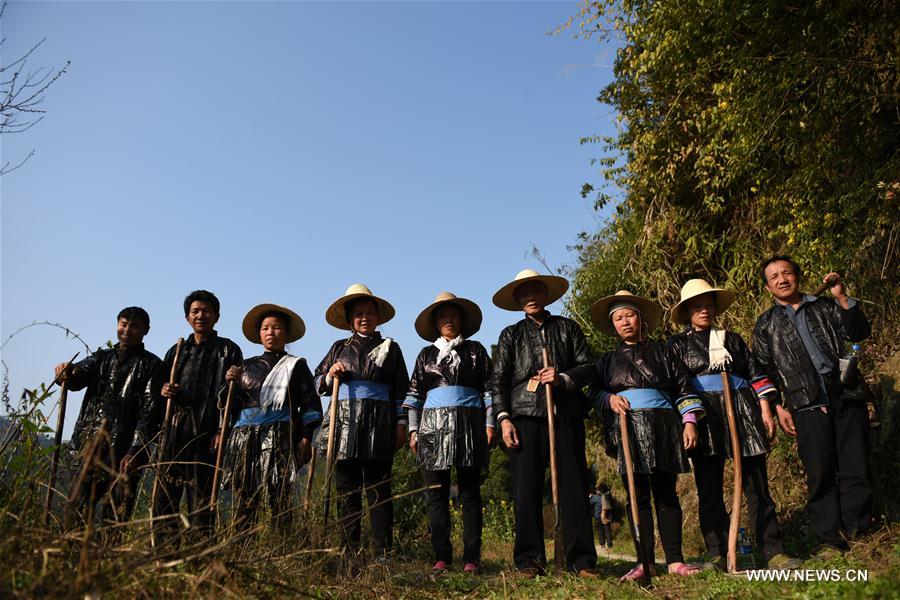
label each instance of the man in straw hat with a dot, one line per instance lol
(520, 406)
(450, 423)
(371, 423)
(189, 456)
(799, 343)
(707, 351)
(274, 413)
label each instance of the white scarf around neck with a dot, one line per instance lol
(447, 350)
(719, 358)
(380, 352)
(274, 388)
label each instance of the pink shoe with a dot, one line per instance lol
(440, 566)
(633, 575)
(685, 570)
(470, 568)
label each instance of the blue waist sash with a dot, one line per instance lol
(360, 390)
(257, 416)
(643, 398)
(453, 395)
(713, 382)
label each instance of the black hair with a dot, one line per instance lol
(779, 257)
(133, 313)
(280, 315)
(348, 308)
(201, 296)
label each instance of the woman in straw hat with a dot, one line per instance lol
(371, 420)
(274, 414)
(520, 404)
(707, 350)
(450, 423)
(644, 379)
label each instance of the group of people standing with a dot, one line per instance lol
(459, 395)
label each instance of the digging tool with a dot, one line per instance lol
(162, 437)
(643, 554)
(737, 496)
(57, 442)
(221, 446)
(559, 554)
(329, 451)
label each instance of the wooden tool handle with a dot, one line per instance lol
(625, 440)
(731, 559)
(57, 442)
(221, 446)
(551, 426)
(329, 451)
(822, 287)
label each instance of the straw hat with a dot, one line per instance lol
(252, 321)
(698, 287)
(600, 311)
(336, 316)
(505, 296)
(471, 317)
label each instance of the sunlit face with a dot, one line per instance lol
(532, 297)
(131, 332)
(627, 322)
(364, 317)
(781, 280)
(448, 320)
(702, 310)
(273, 334)
(202, 317)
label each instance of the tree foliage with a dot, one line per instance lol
(746, 129)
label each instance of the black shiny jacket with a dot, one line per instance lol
(123, 389)
(474, 370)
(353, 352)
(643, 365)
(692, 347)
(519, 357)
(782, 356)
(201, 374)
(305, 409)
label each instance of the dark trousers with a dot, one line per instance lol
(247, 502)
(668, 513)
(351, 477)
(187, 469)
(469, 481)
(834, 448)
(604, 533)
(116, 496)
(714, 519)
(528, 466)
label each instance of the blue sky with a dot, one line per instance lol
(278, 152)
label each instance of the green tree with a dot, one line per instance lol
(745, 129)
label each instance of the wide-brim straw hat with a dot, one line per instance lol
(505, 296)
(698, 287)
(471, 317)
(336, 316)
(650, 311)
(252, 320)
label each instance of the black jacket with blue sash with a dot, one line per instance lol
(370, 403)
(451, 406)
